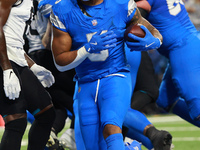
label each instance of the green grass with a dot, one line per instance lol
(185, 135)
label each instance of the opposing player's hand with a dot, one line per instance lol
(149, 42)
(11, 84)
(43, 75)
(101, 42)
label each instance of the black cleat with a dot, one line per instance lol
(162, 140)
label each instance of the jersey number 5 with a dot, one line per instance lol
(102, 56)
(174, 6)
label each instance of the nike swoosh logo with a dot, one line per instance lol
(94, 43)
(149, 44)
(10, 74)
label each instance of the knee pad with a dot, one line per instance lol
(17, 125)
(46, 117)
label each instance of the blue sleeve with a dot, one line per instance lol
(58, 19)
(44, 7)
(150, 2)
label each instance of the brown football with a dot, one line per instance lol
(134, 29)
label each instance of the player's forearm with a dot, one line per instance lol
(71, 59)
(4, 61)
(29, 60)
(151, 28)
(157, 34)
(140, 20)
(5, 7)
(46, 39)
(144, 5)
(65, 58)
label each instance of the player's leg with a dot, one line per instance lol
(170, 101)
(113, 100)
(134, 134)
(15, 125)
(185, 64)
(180, 108)
(39, 104)
(88, 114)
(142, 126)
(14, 114)
(64, 87)
(168, 94)
(78, 136)
(78, 142)
(146, 88)
(67, 139)
(58, 96)
(53, 142)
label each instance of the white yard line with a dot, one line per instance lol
(181, 129)
(163, 119)
(188, 139)
(24, 143)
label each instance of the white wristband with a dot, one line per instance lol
(160, 41)
(82, 54)
(33, 67)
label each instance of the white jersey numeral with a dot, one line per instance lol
(174, 6)
(103, 55)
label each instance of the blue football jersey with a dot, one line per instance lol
(112, 15)
(171, 19)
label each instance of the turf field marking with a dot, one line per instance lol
(164, 119)
(188, 139)
(182, 129)
(24, 142)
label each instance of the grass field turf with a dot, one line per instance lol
(185, 135)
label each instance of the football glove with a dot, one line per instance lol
(43, 75)
(101, 42)
(149, 42)
(11, 84)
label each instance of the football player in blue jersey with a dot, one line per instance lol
(89, 36)
(179, 90)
